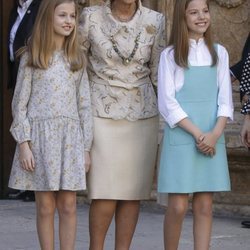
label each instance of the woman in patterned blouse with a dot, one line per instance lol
(123, 40)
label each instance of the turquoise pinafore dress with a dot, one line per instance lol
(183, 169)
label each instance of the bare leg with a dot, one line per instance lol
(175, 213)
(45, 206)
(66, 205)
(126, 217)
(202, 210)
(100, 216)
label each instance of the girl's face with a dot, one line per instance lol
(64, 20)
(197, 18)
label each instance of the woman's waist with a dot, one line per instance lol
(122, 83)
(130, 116)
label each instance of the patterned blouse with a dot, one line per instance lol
(120, 89)
(245, 85)
(50, 94)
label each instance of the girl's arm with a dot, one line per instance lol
(198, 135)
(210, 139)
(20, 127)
(85, 113)
(225, 103)
(187, 125)
(225, 100)
(169, 107)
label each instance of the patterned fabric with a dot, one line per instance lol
(49, 94)
(52, 109)
(245, 85)
(122, 91)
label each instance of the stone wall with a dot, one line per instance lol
(231, 24)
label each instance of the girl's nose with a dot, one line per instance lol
(68, 19)
(201, 15)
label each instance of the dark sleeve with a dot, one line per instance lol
(238, 67)
(23, 33)
(245, 85)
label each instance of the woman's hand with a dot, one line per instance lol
(87, 161)
(245, 131)
(26, 157)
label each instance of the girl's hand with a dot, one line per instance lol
(208, 151)
(87, 161)
(207, 144)
(26, 157)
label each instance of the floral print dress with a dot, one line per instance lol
(52, 110)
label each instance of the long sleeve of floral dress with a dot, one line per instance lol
(84, 109)
(20, 128)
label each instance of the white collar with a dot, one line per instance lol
(194, 43)
(24, 4)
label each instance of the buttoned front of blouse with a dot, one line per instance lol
(122, 91)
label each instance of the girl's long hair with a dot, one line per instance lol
(179, 38)
(41, 44)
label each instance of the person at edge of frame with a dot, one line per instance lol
(241, 72)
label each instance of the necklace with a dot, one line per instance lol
(125, 60)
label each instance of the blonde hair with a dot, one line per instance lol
(41, 44)
(179, 38)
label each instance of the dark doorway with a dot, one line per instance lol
(7, 144)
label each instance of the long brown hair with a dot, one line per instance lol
(41, 44)
(179, 38)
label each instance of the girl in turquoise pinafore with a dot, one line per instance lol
(195, 99)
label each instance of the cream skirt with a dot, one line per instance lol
(123, 159)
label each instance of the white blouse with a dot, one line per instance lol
(171, 80)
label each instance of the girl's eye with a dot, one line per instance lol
(193, 12)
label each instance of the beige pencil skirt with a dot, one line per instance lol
(123, 159)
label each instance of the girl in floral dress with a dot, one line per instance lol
(52, 121)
